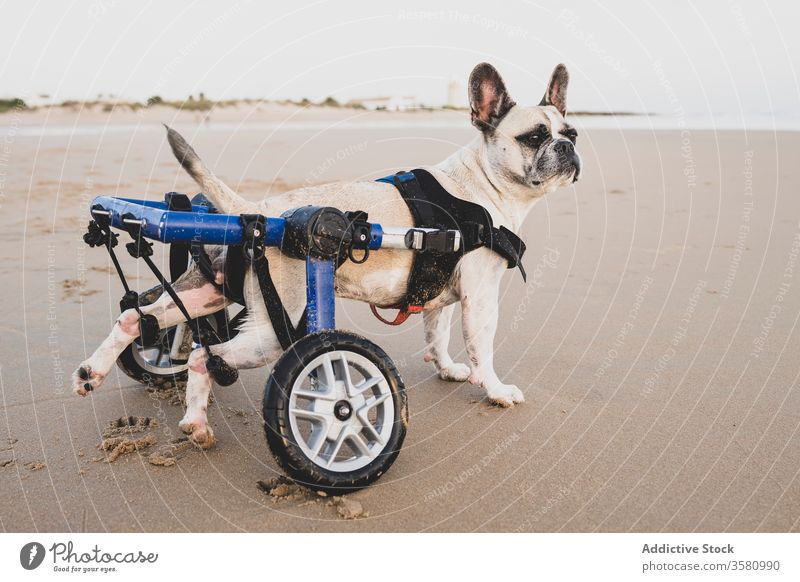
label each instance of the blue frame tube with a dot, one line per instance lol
(197, 226)
(169, 226)
(320, 295)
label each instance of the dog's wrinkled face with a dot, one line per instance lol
(529, 146)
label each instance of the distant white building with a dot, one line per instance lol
(395, 103)
(39, 100)
(453, 93)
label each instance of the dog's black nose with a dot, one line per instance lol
(564, 147)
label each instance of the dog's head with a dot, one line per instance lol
(528, 147)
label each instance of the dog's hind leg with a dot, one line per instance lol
(437, 339)
(200, 298)
(252, 348)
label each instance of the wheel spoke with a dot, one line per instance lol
(312, 395)
(348, 381)
(361, 444)
(309, 415)
(367, 383)
(321, 440)
(148, 356)
(375, 401)
(337, 446)
(160, 354)
(330, 376)
(368, 426)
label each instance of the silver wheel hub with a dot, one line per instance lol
(169, 354)
(341, 411)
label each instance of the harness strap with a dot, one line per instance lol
(178, 252)
(286, 333)
(235, 269)
(509, 246)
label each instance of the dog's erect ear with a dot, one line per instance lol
(556, 94)
(488, 97)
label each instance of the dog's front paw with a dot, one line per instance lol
(85, 380)
(455, 372)
(505, 395)
(199, 432)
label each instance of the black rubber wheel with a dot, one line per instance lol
(335, 412)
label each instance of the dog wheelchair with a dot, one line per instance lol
(334, 407)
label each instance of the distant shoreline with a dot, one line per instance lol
(202, 104)
(89, 118)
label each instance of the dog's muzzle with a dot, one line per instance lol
(568, 158)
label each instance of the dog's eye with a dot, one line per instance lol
(535, 138)
(570, 134)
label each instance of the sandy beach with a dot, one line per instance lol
(655, 341)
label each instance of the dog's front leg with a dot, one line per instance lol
(249, 349)
(479, 306)
(437, 339)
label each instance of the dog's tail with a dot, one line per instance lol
(225, 199)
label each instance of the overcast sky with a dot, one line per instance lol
(726, 56)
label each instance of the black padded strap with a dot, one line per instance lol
(178, 252)
(509, 246)
(178, 260)
(253, 243)
(286, 332)
(235, 269)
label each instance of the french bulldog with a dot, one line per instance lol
(519, 154)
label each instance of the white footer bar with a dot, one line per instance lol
(346, 556)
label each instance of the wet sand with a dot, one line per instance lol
(656, 343)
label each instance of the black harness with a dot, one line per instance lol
(434, 207)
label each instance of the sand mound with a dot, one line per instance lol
(128, 425)
(123, 445)
(117, 436)
(168, 455)
(283, 489)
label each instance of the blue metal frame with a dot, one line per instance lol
(171, 226)
(198, 226)
(320, 295)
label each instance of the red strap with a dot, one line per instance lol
(402, 314)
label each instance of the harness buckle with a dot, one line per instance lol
(440, 241)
